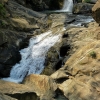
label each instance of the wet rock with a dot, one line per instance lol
(10, 43)
(25, 19)
(55, 57)
(42, 85)
(82, 8)
(15, 32)
(42, 5)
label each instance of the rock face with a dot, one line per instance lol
(82, 8)
(18, 91)
(40, 5)
(15, 31)
(5, 97)
(79, 78)
(42, 85)
(85, 69)
(96, 11)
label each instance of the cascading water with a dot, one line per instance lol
(68, 6)
(33, 57)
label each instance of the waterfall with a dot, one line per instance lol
(68, 6)
(33, 57)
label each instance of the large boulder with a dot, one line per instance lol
(96, 11)
(79, 78)
(10, 43)
(42, 85)
(82, 8)
(5, 97)
(18, 91)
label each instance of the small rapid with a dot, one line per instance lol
(33, 57)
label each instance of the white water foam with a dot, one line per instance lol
(68, 6)
(33, 57)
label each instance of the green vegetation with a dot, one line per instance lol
(93, 54)
(2, 11)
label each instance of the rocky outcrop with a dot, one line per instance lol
(18, 91)
(15, 31)
(79, 78)
(42, 85)
(96, 11)
(84, 80)
(40, 5)
(5, 97)
(82, 8)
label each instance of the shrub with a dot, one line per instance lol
(93, 54)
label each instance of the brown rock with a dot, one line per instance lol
(96, 12)
(19, 91)
(42, 85)
(82, 8)
(5, 97)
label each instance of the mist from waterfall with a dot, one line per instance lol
(68, 6)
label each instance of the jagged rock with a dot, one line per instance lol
(85, 69)
(79, 78)
(42, 85)
(96, 11)
(15, 31)
(5, 97)
(10, 43)
(42, 5)
(18, 91)
(82, 8)
(24, 18)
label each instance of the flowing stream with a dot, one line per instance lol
(33, 57)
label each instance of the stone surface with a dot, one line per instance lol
(5, 97)
(84, 74)
(42, 85)
(10, 43)
(18, 91)
(15, 31)
(79, 78)
(82, 8)
(96, 11)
